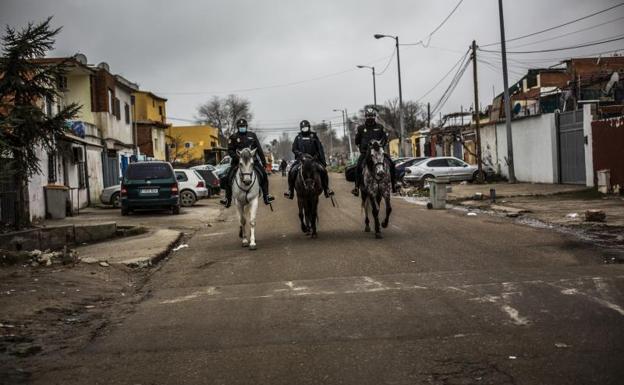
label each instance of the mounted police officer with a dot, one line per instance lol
(370, 130)
(307, 142)
(237, 141)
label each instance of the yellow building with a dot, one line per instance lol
(194, 144)
(150, 118)
(393, 145)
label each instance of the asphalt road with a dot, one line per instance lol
(444, 298)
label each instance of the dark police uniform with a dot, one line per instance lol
(238, 141)
(365, 134)
(308, 143)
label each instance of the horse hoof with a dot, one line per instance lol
(252, 247)
(367, 229)
(378, 235)
(314, 235)
(245, 243)
(384, 224)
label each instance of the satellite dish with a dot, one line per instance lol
(81, 58)
(104, 65)
(516, 109)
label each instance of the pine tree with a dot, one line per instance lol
(25, 128)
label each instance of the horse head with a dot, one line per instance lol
(245, 165)
(308, 171)
(377, 159)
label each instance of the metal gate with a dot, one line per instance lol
(571, 147)
(110, 168)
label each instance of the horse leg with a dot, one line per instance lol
(384, 224)
(304, 228)
(253, 209)
(366, 205)
(313, 216)
(242, 229)
(376, 201)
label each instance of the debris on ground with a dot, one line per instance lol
(180, 247)
(572, 216)
(561, 345)
(104, 264)
(471, 214)
(595, 216)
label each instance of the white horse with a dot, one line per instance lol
(245, 193)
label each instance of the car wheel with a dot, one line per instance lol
(187, 198)
(475, 176)
(115, 201)
(124, 211)
(175, 210)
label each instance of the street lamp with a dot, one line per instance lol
(374, 86)
(345, 130)
(402, 132)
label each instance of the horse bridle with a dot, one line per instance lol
(303, 180)
(254, 177)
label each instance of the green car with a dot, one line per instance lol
(149, 185)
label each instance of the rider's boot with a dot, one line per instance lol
(264, 185)
(290, 194)
(226, 200)
(328, 192)
(268, 198)
(355, 191)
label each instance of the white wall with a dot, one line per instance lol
(113, 128)
(534, 148)
(94, 169)
(35, 188)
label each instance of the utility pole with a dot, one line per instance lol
(348, 121)
(428, 115)
(476, 110)
(374, 89)
(510, 162)
(401, 119)
(331, 141)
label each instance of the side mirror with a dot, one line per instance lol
(465, 165)
(179, 177)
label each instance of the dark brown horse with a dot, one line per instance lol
(308, 187)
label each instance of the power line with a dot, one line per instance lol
(387, 65)
(443, 77)
(290, 84)
(557, 26)
(428, 37)
(620, 37)
(451, 88)
(569, 33)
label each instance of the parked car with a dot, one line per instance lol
(192, 186)
(110, 196)
(275, 167)
(444, 166)
(209, 173)
(149, 185)
(401, 166)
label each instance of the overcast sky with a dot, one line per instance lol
(189, 50)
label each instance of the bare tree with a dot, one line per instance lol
(179, 152)
(222, 113)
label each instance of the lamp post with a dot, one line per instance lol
(345, 129)
(402, 132)
(374, 86)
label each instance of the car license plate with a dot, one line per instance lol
(149, 191)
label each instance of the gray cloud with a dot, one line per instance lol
(187, 49)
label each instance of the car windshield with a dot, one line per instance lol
(148, 171)
(198, 175)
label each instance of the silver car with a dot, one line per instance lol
(110, 196)
(443, 166)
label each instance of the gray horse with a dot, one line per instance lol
(376, 186)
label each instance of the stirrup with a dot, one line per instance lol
(289, 194)
(355, 191)
(328, 193)
(268, 199)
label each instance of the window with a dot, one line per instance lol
(181, 176)
(188, 145)
(62, 83)
(51, 167)
(111, 104)
(455, 163)
(160, 111)
(48, 106)
(438, 163)
(117, 109)
(127, 112)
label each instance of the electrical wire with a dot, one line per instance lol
(555, 27)
(422, 42)
(387, 65)
(590, 44)
(461, 59)
(568, 34)
(451, 88)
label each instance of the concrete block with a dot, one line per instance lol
(20, 240)
(89, 233)
(56, 237)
